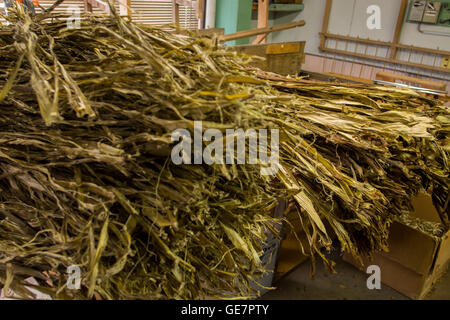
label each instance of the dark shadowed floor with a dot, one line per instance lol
(348, 283)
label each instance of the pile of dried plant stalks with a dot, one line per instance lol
(434, 229)
(360, 153)
(86, 177)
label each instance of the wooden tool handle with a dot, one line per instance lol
(255, 32)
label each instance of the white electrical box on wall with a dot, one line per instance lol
(432, 10)
(429, 12)
(417, 9)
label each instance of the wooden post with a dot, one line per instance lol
(175, 12)
(398, 28)
(201, 5)
(263, 19)
(326, 19)
(87, 6)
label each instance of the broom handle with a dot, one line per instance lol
(258, 31)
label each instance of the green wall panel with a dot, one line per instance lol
(234, 16)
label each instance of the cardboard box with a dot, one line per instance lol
(415, 260)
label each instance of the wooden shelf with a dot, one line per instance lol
(282, 7)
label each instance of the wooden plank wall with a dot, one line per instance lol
(155, 12)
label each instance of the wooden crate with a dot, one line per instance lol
(282, 58)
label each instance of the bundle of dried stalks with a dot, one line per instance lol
(86, 177)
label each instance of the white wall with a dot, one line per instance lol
(313, 15)
(349, 17)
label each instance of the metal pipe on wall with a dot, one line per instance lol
(210, 21)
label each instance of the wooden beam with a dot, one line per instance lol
(263, 20)
(398, 28)
(200, 9)
(175, 12)
(326, 20)
(392, 77)
(263, 38)
(383, 59)
(384, 43)
(255, 32)
(420, 49)
(354, 39)
(87, 6)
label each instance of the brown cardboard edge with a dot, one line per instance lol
(440, 264)
(400, 240)
(401, 278)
